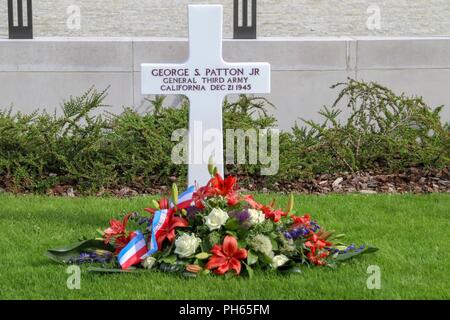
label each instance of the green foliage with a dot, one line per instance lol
(93, 150)
(103, 151)
(69, 254)
(354, 253)
(379, 130)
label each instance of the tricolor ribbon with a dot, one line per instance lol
(134, 251)
(161, 218)
(185, 199)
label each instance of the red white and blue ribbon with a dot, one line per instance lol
(160, 219)
(134, 251)
(185, 199)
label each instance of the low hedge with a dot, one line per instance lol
(94, 150)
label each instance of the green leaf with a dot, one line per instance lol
(293, 269)
(232, 224)
(172, 268)
(264, 258)
(274, 244)
(250, 271)
(69, 253)
(170, 259)
(242, 243)
(206, 271)
(202, 256)
(242, 233)
(252, 258)
(232, 233)
(353, 253)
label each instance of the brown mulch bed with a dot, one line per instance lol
(413, 180)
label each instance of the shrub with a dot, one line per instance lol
(106, 151)
(382, 130)
(40, 151)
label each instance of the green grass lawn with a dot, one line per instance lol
(412, 232)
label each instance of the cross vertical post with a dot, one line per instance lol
(205, 78)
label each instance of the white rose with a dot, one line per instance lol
(148, 262)
(186, 245)
(279, 260)
(216, 219)
(256, 216)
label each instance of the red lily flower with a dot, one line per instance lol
(301, 221)
(255, 205)
(217, 186)
(316, 245)
(117, 228)
(318, 261)
(269, 212)
(163, 204)
(232, 199)
(223, 187)
(226, 257)
(201, 194)
(274, 214)
(168, 231)
(120, 243)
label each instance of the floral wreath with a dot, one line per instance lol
(211, 229)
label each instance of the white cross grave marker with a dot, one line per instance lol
(205, 78)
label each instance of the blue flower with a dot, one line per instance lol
(287, 235)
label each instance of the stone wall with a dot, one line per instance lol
(41, 73)
(167, 18)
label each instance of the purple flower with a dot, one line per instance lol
(191, 212)
(241, 216)
(314, 226)
(297, 233)
(91, 257)
(350, 248)
(84, 256)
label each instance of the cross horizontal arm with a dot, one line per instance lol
(218, 79)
